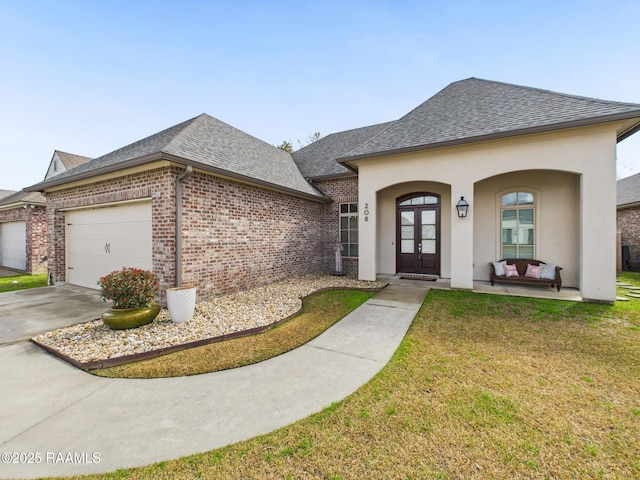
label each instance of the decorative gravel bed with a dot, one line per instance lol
(237, 312)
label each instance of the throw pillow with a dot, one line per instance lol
(548, 272)
(499, 268)
(533, 271)
(511, 271)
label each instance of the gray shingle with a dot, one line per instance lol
(23, 197)
(471, 109)
(318, 159)
(6, 193)
(628, 190)
(71, 160)
(208, 142)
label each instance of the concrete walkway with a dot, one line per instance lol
(75, 423)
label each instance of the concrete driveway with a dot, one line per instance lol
(26, 313)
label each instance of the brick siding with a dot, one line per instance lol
(235, 236)
(629, 225)
(341, 190)
(35, 232)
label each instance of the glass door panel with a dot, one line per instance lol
(407, 232)
(428, 231)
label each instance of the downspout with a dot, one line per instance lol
(178, 265)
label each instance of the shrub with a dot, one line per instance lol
(129, 287)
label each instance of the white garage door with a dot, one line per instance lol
(100, 240)
(13, 246)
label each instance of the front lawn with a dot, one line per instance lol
(22, 282)
(482, 386)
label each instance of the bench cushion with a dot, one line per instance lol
(534, 271)
(511, 271)
(548, 272)
(499, 268)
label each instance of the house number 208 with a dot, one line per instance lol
(366, 212)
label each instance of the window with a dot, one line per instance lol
(420, 200)
(349, 229)
(518, 225)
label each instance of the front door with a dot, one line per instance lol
(418, 234)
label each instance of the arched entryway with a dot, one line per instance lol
(418, 233)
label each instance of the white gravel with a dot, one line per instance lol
(94, 341)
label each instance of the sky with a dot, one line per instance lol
(89, 76)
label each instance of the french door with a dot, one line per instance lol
(418, 234)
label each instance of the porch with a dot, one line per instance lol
(569, 294)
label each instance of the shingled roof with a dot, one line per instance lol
(628, 192)
(203, 142)
(318, 159)
(22, 198)
(71, 160)
(475, 109)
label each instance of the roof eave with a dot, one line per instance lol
(56, 181)
(250, 180)
(160, 156)
(319, 178)
(503, 134)
(629, 131)
(624, 206)
(20, 204)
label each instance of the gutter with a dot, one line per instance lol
(147, 159)
(501, 135)
(178, 223)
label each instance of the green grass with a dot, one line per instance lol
(634, 279)
(22, 282)
(482, 386)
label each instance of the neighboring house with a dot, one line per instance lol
(207, 204)
(629, 220)
(63, 161)
(6, 193)
(23, 232)
(23, 221)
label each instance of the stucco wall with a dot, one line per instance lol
(386, 232)
(557, 215)
(587, 154)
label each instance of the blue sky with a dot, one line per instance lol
(88, 77)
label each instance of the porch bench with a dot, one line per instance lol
(548, 277)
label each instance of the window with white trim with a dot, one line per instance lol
(349, 229)
(517, 213)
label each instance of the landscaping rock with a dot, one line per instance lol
(258, 307)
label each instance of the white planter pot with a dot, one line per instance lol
(181, 303)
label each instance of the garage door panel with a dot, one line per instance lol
(106, 239)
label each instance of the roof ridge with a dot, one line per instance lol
(184, 133)
(547, 91)
(370, 139)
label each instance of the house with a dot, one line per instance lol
(63, 161)
(204, 203)
(23, 222)
(23, 232)
(628, 216)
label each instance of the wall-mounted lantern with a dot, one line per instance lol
(462, 207)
